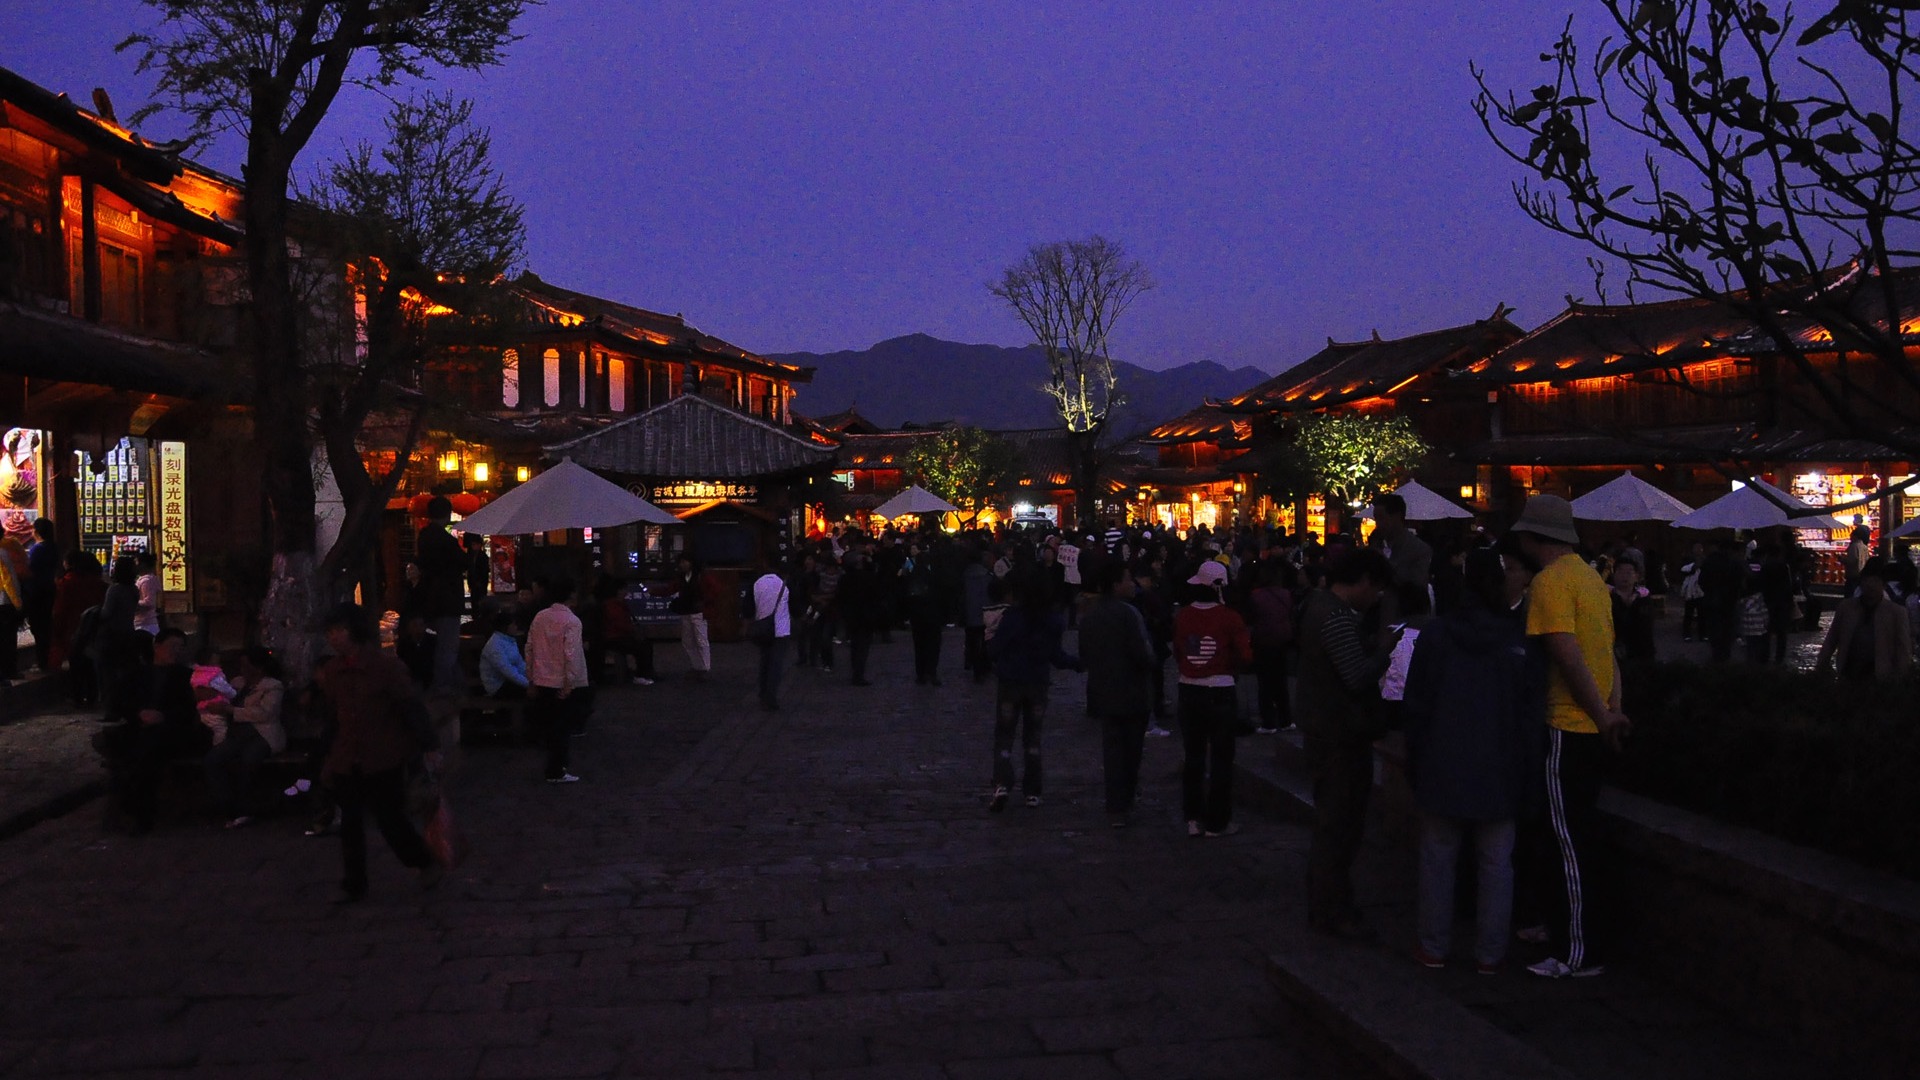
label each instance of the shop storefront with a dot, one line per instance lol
(131, 499)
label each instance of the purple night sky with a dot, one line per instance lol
(824, 176)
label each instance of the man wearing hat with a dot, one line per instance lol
(1571, 614)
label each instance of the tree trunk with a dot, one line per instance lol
(365, 500)
(288, 617)
(1086, 471)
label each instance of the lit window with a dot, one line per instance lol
(510, 379)
(616, 385)
(580, 365)
(550, 370)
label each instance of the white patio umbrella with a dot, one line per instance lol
(1908, 529)
(1628, 498)
(1423, 504)
(567, 496)
(1746, 508)
(915, 500)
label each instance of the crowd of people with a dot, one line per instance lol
(1504, 660)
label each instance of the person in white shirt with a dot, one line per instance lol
(557, 669)
(146, 616)
(771, 611)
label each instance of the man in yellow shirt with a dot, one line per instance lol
(1570, 611)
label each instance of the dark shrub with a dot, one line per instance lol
(1817, 761)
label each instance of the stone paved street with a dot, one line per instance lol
(814, 893)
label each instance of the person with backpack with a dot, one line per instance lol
(771, 629)
(1475, 709)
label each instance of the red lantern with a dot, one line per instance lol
(417, 506)
(465, 503)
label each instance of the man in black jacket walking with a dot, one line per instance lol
(860, 610)
(1119, 660)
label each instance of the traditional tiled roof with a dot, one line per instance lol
(48, 346)
(1591, 340)
(1046, 454)
(1208, 423)
(141, 171)
(882, 450)
(846, 422)
(1348, 371)
(638, 326)
(1707, 442)
(695, 438)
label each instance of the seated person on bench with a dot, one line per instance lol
(503, 671)
(162, 721)
(254, 734)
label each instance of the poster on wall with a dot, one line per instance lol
(20, 473)
(501, 553)
(173, 516)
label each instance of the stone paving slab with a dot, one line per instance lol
(47, 768)
(818, 892)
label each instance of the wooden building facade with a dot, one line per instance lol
(120, 400)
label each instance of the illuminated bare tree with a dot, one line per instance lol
(1069, 294)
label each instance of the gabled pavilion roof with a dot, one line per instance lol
(693, 438)
(1349, 371)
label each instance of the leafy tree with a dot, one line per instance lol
(1069, 294)
(269, 70)
(1351, 457)
(429, 230)
(1779, 176)
(965, 466)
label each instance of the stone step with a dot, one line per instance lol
(1400, 1025)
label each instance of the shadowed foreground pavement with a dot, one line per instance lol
(818, 892)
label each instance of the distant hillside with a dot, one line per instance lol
(923, 379)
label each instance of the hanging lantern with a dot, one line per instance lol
(464, 503)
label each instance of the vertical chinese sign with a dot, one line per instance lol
(173, 516)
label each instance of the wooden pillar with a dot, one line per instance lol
(89, 254)
(63, 496)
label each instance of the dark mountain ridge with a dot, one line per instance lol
(919, 378)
